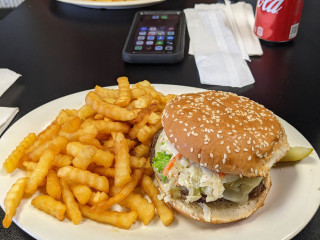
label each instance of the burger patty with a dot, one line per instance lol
(152, 151)
(254, 193)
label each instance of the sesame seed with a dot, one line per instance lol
(191, 149)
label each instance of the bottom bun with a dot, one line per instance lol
(220, 211)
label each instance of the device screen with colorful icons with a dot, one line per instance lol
(155, 36)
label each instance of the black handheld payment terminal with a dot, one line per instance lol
(156, 37)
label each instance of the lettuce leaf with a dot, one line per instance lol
(160, 161)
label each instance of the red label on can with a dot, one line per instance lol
(277, 20)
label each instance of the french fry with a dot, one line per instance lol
(137, 162)
(142, 101)
(60, 142)
(102, 158)
(73, 210)
(53, 186)
(62, 160)
(72, 125)
(125, 192)
(118, 219)
(165, 213)
(153, 107)
(137, 92)
(84, 157)
(146, 133)
(148, 170)
(124, 92)
(108, 172)
(146, 86)
(85, 112)
(106, 93)
(29, 166)
(82, 193)
(109, 110)
(98, 197)
(154, 118)
(90, 140)
(40, 171)
(144, 209)
(140, 151)
(107, 127)
(46, 135)
(12, 200)
(100, 183)
(135, 129)
(12, 162)
(63, 117)
(51, 206)
(122, 161)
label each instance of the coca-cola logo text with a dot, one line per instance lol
(270, 6)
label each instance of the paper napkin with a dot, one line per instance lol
(217, 54)
(6, 116)
(7, 78)
(241, 19)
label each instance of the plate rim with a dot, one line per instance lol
(112, 4)
(186, 88)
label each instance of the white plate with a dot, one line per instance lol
(113, 4)
(291, 203)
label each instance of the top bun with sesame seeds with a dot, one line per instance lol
(225, 132)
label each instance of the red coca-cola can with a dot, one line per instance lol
(277, 20)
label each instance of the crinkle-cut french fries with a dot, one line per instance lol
(118, 219)
(82, 193)
(109, 110)
(12, 162)
(100, 157)
(125, 192)
(73, 210)
(164, 212)
(12, 200)
(51, 206)
(41, 171)
(90, 159)
(124, 92)
(53, 186)
(80, 176)
(144, 209)
(122, 160)
(97, 197)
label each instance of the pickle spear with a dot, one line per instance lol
(296, 154)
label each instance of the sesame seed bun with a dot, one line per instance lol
(220, 211)
(225, 132)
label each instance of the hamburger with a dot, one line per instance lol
(212, 159)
